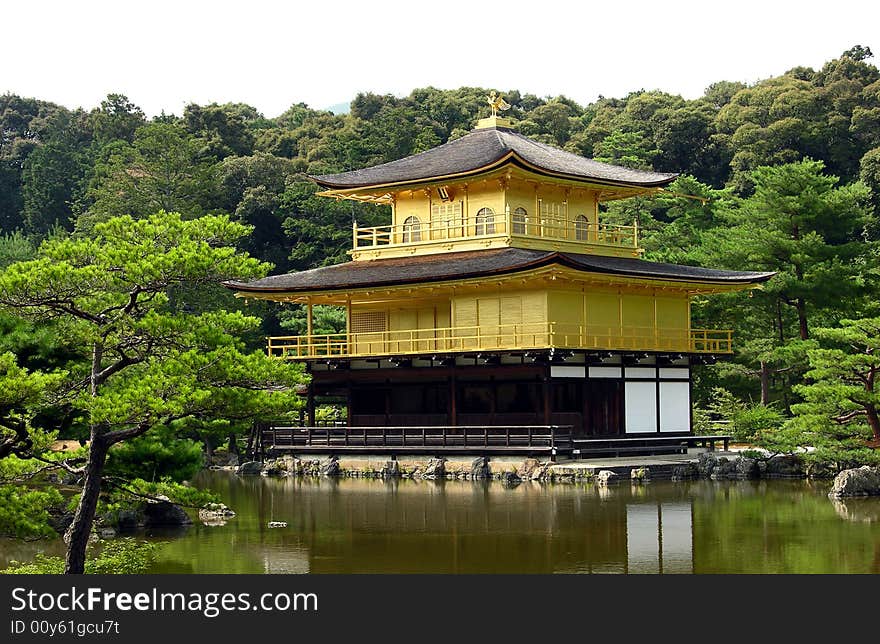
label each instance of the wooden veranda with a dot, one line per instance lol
(551, 441)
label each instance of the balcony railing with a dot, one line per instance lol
(507, 337)
(549, 439)
(553, 228)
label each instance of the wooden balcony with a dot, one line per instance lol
(502, 337)
(572, 234)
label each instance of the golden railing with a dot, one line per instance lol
(507, 337)
(557, 228)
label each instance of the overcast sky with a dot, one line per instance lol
(164, 54)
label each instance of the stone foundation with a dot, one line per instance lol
(512, 470)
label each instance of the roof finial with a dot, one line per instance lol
(497, 103)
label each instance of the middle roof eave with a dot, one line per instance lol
(399, 270)
(482, 263)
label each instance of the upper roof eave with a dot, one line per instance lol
(512, 158)
(484, 150)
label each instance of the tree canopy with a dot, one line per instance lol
(152, 362)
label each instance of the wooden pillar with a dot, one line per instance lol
(586, 422)
(466, 213)
(537, 219)
(309, 318)
(389, 388)
(349, 348)
(567, 224)
(493, 399)
(594, 216)
(429, 195)
(453, 415)
(546, 387)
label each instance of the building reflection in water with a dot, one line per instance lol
(374, 526)
(659, 538)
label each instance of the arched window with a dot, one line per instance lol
(485, 223)
(519, 219)
(581, 227)
(412, 229)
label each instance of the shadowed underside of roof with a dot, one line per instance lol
(482, 149)
(483, 263)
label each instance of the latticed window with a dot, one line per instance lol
(553, 222)
(412, 229)
(485, 222)
(581, 228)
(368, 322)
(519, 219)
(450, 213)
(551, 210)
(446, 221)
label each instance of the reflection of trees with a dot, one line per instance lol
(779, 526)
(21, 550)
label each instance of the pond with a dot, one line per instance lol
(405, 526)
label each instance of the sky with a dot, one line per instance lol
(166, 54)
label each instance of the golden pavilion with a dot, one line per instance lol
(497, 312)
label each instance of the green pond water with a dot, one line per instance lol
(374, 526)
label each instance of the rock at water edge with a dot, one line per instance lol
(435, 469)
(860, 481)
(480, 468)
(249, 468)
(164, 513)
(605, 477)
(330, 467)
(640, 475)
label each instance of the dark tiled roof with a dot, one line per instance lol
(659, 270)
(481, 149)
(482, 263)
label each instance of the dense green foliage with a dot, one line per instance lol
(839, 416)
(117, 557)
(185, 495)
(22, 393)
(150, 359)
(157, 455)
(24, 511)
(70, 165)
(745, 421)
